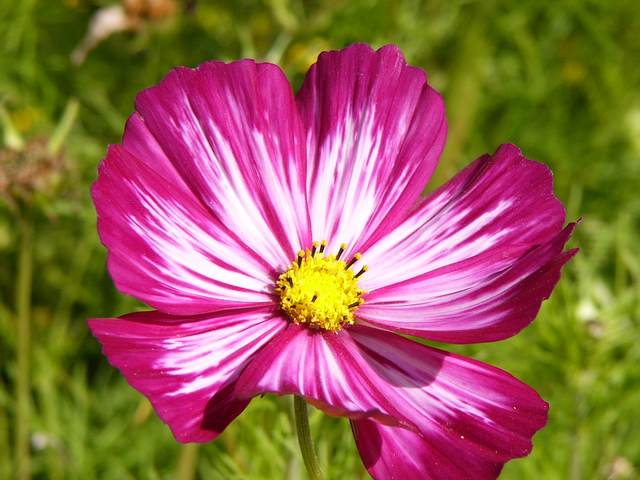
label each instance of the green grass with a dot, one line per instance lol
(560, 79)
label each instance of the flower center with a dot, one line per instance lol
(321, 291)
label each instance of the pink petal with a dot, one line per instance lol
(321, 366)
(471, 417)
(474, 262)
(451, 402)
(165, 248)
(375, 130)
(393, 452)
(233, 133)
(187, 366)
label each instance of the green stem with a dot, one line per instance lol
(188, 462)
(301, 416)
(23, 317)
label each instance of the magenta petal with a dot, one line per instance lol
(164, 247)
(477, 258)
(375, 130)
(233, 133)
(434, 305)
(471, 417)
(324, 367)
(450, 402)
(393, 452)
(187, 366)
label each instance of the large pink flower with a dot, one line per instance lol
(212, 209)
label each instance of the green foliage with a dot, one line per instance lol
(560, 79)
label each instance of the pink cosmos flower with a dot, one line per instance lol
(244, 215)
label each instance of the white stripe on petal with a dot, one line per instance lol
(475, 259)
(374, 133)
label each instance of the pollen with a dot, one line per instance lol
(321, 291)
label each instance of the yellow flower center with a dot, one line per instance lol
(321, 291)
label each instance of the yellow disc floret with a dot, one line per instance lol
(321, 291)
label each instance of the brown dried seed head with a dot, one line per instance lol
(150, 8)
(27, 172)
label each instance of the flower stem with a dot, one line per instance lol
(23, 317)
(188, 462)
(301, 416)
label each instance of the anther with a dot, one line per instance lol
(314, 248)
(290, 280)
(315, 297)
(355, 258)
(300, 257)
(362, 270)
(343, 247)
(356, 304)
(322, 245)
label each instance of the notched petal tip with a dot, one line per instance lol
(476, 259)
(375, 128)
(510, 150)
(171, 81)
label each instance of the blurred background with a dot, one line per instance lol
(560, 79)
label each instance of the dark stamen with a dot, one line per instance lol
(362, 270)
(313, 248)
(300, 257)
(341, 251)
(290, 280)
(322, 245)
(355, 304)
(315, 297)
(355, 258)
